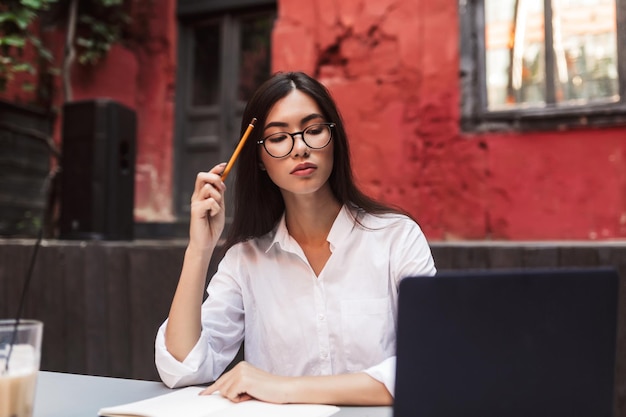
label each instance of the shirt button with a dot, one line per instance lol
(324, 355)
(321, 317)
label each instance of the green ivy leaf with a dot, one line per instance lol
(86, 19)
(110, 3)
(37, 4)
(28, 87)
(24, 17)
(86, 43)
(13, 40)
(35, 40)
(46, 54)
(7, 17)
(24, 67)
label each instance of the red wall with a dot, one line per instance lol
(393, 67)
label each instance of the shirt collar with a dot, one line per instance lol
(341, 228)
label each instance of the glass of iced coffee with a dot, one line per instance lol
(20, 352)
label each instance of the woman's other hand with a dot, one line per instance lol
(245, 382)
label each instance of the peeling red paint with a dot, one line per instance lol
(394, 70)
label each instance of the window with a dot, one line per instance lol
(542, 64)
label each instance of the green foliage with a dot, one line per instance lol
(100, 24)
(16, 16)
(98, 31)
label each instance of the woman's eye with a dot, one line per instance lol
(315, 130)
(277, 137)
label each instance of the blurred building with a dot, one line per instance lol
(454, 110)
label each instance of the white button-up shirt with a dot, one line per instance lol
(296, 323)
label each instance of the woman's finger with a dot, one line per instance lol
(219, 168)
(214, 207)
(212, 177)
(208, 191)
(209, 390)
(204, 206)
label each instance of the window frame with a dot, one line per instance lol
(476, 116)
(191, 8)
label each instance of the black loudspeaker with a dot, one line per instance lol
(97, 170)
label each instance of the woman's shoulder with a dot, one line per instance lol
(253, 244)
(384, 220)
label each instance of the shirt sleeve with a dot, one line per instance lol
(191, 371)
(221, 336)
(385, 372)
(411, 254)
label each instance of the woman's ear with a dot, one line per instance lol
(261, 166)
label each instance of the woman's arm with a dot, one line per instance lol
(184, 324)
(206, 225)
(244, 382)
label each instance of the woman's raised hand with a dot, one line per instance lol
(207, 209)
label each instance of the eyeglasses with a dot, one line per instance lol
(279, 145)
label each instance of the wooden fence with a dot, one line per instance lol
(102, 302)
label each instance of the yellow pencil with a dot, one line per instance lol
(235, 155)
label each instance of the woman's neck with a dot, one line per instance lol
(309, 218)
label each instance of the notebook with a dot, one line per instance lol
(185, 402)
(507, 343)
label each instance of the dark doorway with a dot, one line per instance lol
(223, 58)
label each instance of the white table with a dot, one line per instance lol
(71, 395)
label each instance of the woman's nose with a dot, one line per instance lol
(300, 147)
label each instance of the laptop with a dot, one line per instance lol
(507, 343)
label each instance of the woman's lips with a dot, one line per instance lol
(304, 169)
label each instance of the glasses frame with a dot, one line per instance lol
(330, 125)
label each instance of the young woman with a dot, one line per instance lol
(311, 271)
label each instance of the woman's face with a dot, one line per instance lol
(303, 170)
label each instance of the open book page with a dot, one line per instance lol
(186, 402)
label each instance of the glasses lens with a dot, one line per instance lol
(278, 144)
(317, 136)
(281, 143)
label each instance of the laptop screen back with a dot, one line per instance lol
(507, 343)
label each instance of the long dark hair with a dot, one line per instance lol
(257, 200)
